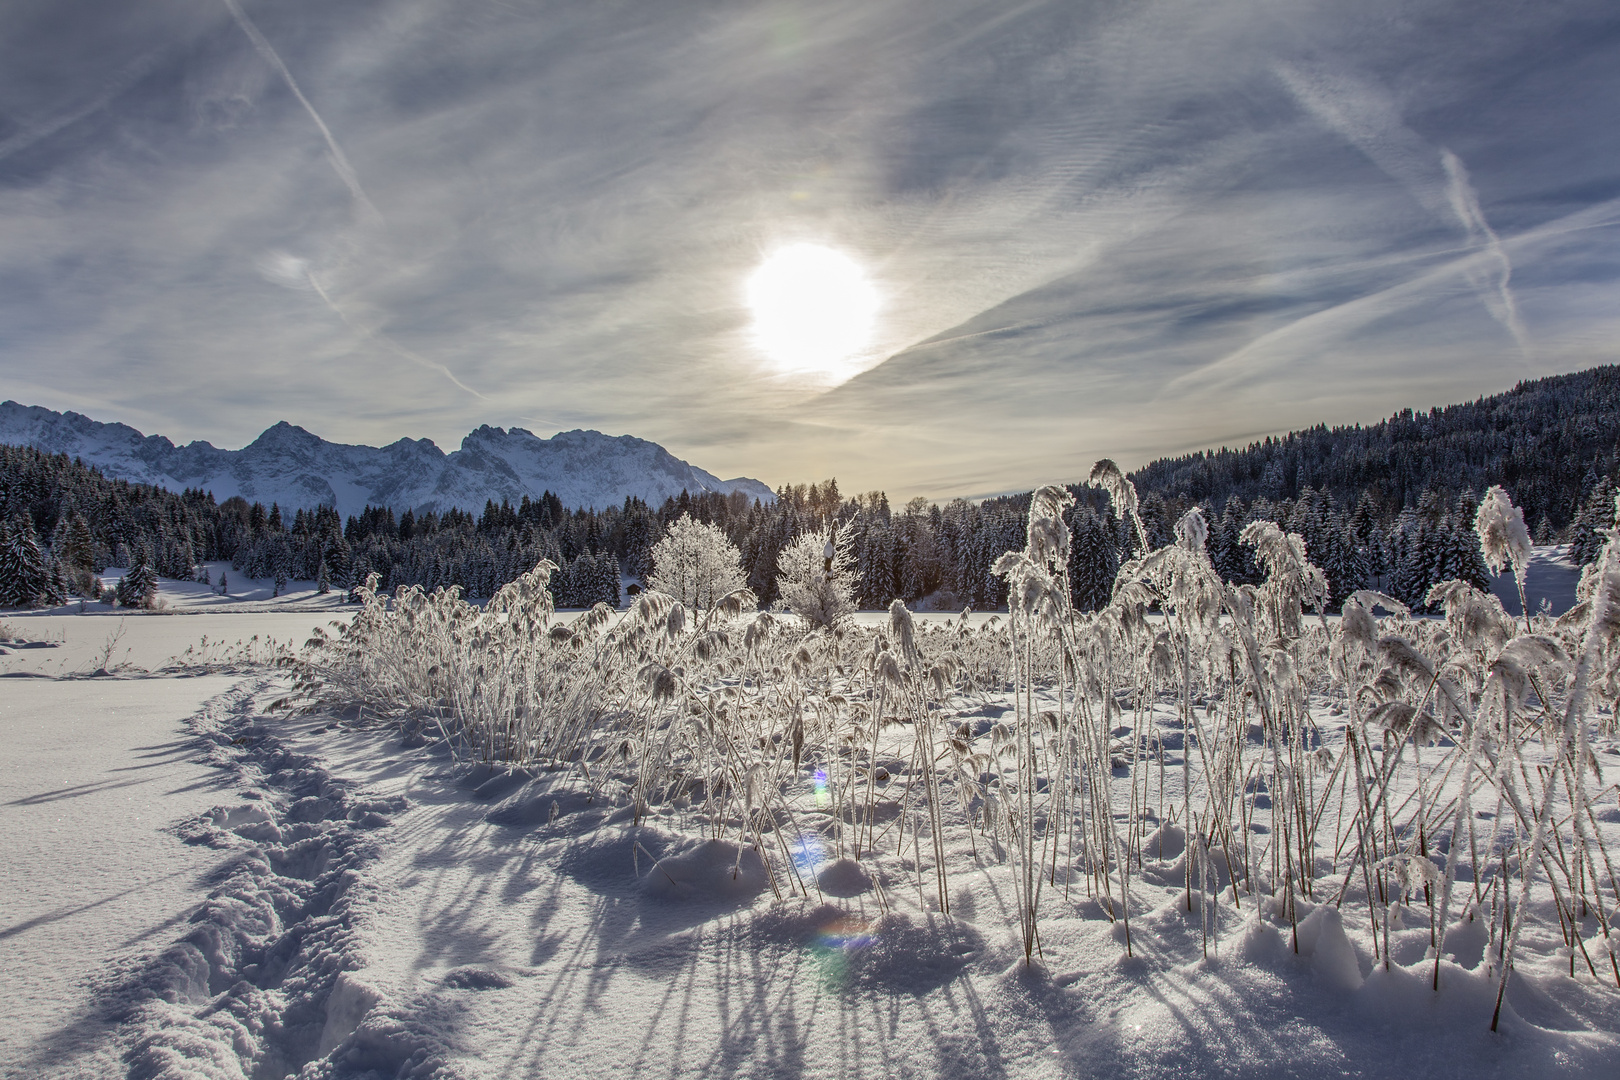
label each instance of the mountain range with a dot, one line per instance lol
(296, 469)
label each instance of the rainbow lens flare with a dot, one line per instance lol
(834, 942)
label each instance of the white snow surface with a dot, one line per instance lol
(292, 467)
(197, 886)
(1549, 583)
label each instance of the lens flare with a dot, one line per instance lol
(833, 943)
(846, 932)
(808, 854)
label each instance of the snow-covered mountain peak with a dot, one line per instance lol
(296, 468)
(283, 436)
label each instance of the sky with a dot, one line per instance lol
(1123, 229)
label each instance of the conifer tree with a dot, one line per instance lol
(1093, 560)
(138, 588)
(28, 577)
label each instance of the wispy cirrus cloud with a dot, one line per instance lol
(1437, 178)
(1098, 229)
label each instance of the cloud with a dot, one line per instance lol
(115, 87)
(1493, 282)
(1371, 120)
(1067, 208)
(340, 161)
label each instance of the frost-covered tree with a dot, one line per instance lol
(28, 577)
(640, 533)
(605, 584)
(696, 563)
(1596, 512)
(816, 576)
(875, 562)
(587, 580)
(75, 550)
(1093, 560)
(138, 588)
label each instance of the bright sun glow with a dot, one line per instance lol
(813, 308)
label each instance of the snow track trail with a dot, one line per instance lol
(255, 985)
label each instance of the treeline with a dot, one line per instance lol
(1551, 442)
(922, 551)
(61, 522)
(1387, 506)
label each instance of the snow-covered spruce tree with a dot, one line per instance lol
(11, 571)
(564, 590)
(75, 551)
(138, 588)
(640, 533)
(605, 587)
(816, 576)
(696, 564)
(338, 559)
(1586, 541)
(1093, 560)
(27, 576)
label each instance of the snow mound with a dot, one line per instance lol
(711, 871)
(1166, 843)
(613, 861)
(1323, 942)
(346, 1006)
(408, 1042)
(476, 978)
(844, 877)
(893, 952)
(544, 805)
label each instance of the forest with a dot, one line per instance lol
(1388, 506)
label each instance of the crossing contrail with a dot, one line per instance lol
(126, 78)
(384, 339)
(340, 162)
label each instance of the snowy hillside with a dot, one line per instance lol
(290, 466)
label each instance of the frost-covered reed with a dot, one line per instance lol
(1408, 772)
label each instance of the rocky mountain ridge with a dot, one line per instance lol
(295, 468)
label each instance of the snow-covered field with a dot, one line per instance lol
(194, 884)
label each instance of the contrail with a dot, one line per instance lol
(384, 339)
(340, 163)
(1466, 204)
(120, 83)
(1250, 360)
(1370, 121)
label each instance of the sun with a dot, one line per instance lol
(814, 308)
